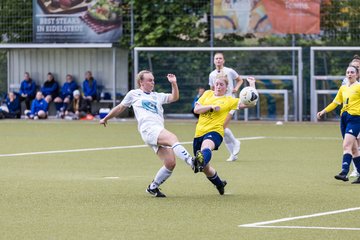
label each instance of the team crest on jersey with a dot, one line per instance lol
(149, 106)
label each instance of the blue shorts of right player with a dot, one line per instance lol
(213, 136)
(350, 124)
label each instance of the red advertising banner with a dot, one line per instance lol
(293, 16)
(262, 17)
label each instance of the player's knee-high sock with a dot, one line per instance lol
(215, 180)
(229, 143)
(346, 163)
(160, 177)
(356, 162)
(207, 155)
(182, 153)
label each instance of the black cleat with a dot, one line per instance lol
(221, 188)
(341, 176)
(195, 165)
(357, 181)
(155, 192)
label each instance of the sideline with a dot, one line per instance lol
(262, 224)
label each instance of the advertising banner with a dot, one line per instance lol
(261, 17)
(77, 21)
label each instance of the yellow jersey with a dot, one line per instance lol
(349, 97)
(212, 121)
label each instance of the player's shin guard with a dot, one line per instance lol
(357, 163)
(182, 153)
(229, 139)
(207, 155)
(346, 163)
(215, 180)
(161, 176)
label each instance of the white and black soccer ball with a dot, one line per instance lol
(249, 96)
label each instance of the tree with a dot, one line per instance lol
(169, 22)
(15, 21)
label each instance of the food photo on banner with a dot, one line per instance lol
(262, 17)
(77, 21)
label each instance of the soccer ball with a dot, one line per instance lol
(249, 96)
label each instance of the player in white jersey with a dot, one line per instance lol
(356, 63)
(232, 144)
(148, 110)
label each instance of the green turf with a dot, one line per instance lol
(288, 173)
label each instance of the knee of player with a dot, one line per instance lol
(170, 163)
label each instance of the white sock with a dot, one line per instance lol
(182, 153)
(229, 140)
(160, 177)
(354, 167)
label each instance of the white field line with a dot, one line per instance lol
(261, 224)
(141, 146)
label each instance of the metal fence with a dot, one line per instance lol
(340, 22)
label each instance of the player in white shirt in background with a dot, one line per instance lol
(232, 144)
(148, 111)
(356, 63)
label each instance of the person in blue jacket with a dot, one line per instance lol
(66, 95)
(27, 90)
(39, 108)
(50, 88)
(12, 103)
(89, 89)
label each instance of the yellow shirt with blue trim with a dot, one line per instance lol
(212, 121)
(349, 97)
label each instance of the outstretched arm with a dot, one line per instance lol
(329, 108)
(239, 82)
(113, 113)
(174, 88)
(199, 109)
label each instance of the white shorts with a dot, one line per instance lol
(150, 136)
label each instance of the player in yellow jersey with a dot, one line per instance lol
(349, 96)
(213, 107)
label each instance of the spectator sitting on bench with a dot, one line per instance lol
(66, 95)
(77, 108)
(27, 90)
(39, 108)
(50, 88)
(11, 107)
(90, 89)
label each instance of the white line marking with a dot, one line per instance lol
(71, 151)
(303, 227)
(141, 146)
(261, 224)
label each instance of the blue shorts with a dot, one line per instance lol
(213, 136)
(349, 124)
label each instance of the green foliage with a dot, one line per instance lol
(16, 21)
(169, 23)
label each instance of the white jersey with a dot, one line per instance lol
(231, 76)
(147, 107)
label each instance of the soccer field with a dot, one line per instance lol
(79, 180)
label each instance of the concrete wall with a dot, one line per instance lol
(38, 62)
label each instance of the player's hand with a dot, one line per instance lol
(103, 121)
(216, 108)
(171, 77)
(320, 114)
(250, 80)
